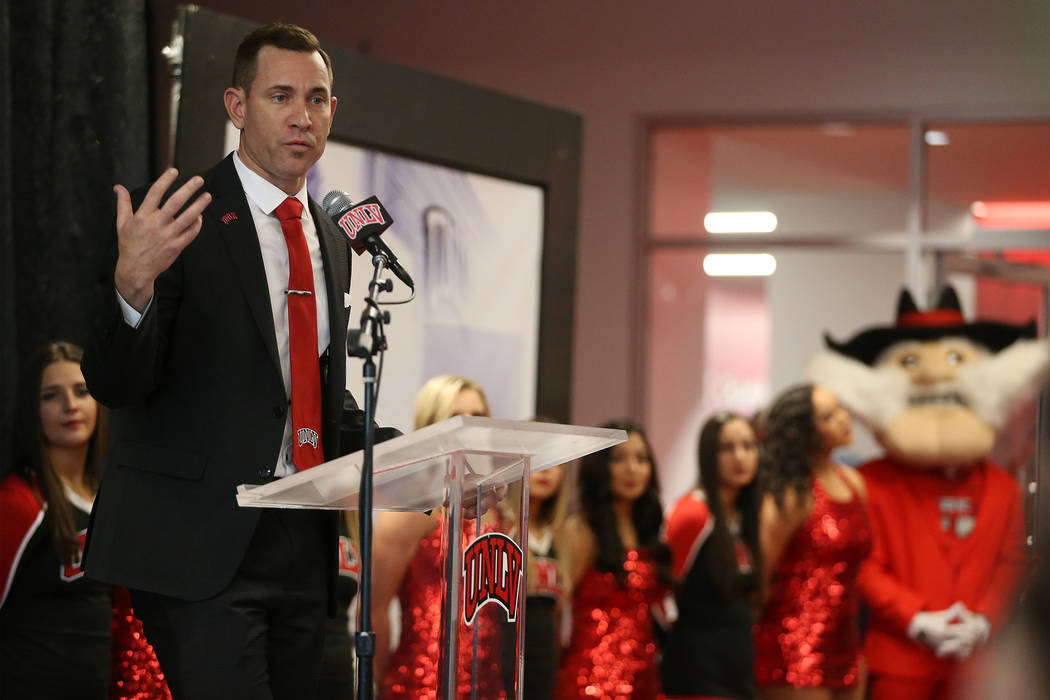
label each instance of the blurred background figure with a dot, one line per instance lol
(337, 664)
(61, 635)
(545, 598)
(1014, 665)
(408, 563)
(814, 536)
(618, 569)
(715, 560)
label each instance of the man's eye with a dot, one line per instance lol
(279, 98)
(953, 357)
(910, 361)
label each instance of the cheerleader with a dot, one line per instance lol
(713, 535)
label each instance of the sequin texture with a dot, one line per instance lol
(135, 673)
(808, 635)
(612, 651)
(414, 668)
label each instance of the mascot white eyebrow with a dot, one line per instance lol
(947, 524)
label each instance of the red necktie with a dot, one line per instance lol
(302, 335)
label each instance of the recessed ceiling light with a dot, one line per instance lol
(739, 264)
(740, 222)
(838, 129)
(936, 138)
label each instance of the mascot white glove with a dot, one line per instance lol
(953, 633)
(933, 628)
(970, 633)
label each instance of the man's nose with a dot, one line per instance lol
(301, 115)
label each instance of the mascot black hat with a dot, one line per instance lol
(944, 321)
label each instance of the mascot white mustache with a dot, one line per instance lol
(947, 524)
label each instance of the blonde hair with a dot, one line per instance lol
(434, 401)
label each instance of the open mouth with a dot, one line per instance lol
(949, 399)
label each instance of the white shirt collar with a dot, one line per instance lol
(266, 195)
(76, 499)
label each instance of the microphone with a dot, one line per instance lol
(363, 223)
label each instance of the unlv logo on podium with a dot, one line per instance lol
(492, 566)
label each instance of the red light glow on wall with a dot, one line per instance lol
(1011, 214)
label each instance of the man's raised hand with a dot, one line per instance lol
(151, 238)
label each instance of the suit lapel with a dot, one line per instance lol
(336, 273)
(337, 281)
(231, 216)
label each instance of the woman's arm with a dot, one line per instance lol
(581, 548)
(397, 537)
(777, 525)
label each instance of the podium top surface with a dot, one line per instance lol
(410, 471)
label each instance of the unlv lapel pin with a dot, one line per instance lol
(228, 217)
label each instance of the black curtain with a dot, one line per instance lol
(74, 120)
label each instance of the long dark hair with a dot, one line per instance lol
(30, 458)
(791, 440)
(725, 569)
(596, 502)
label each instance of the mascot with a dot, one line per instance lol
(947, 524)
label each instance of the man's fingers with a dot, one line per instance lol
(187, 235)
(124, 211)
(157, 190)
(182, 195)
(192, 213)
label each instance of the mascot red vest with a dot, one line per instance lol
(947, 524)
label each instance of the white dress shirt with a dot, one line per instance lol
(263, 197)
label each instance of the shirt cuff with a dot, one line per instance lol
(132, 317)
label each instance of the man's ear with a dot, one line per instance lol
(234, 99)
(331, 117)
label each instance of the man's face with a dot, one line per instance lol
(286, 116)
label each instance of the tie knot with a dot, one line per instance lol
(289, 209)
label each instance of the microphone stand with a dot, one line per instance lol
(372, 328)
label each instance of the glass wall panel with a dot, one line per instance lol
(830, 178)
(984, 163)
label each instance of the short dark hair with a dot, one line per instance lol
(289, 37)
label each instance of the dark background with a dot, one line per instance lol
(74, 119)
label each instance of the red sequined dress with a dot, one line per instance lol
(414, 668)
(808, 634)
(134, 672)
(612, 651)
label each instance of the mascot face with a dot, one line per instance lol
(935, 389)
(935, 422)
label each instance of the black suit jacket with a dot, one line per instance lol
(199, 404)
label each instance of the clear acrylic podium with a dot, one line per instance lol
(448, 466)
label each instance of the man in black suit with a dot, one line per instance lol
(196, 354)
